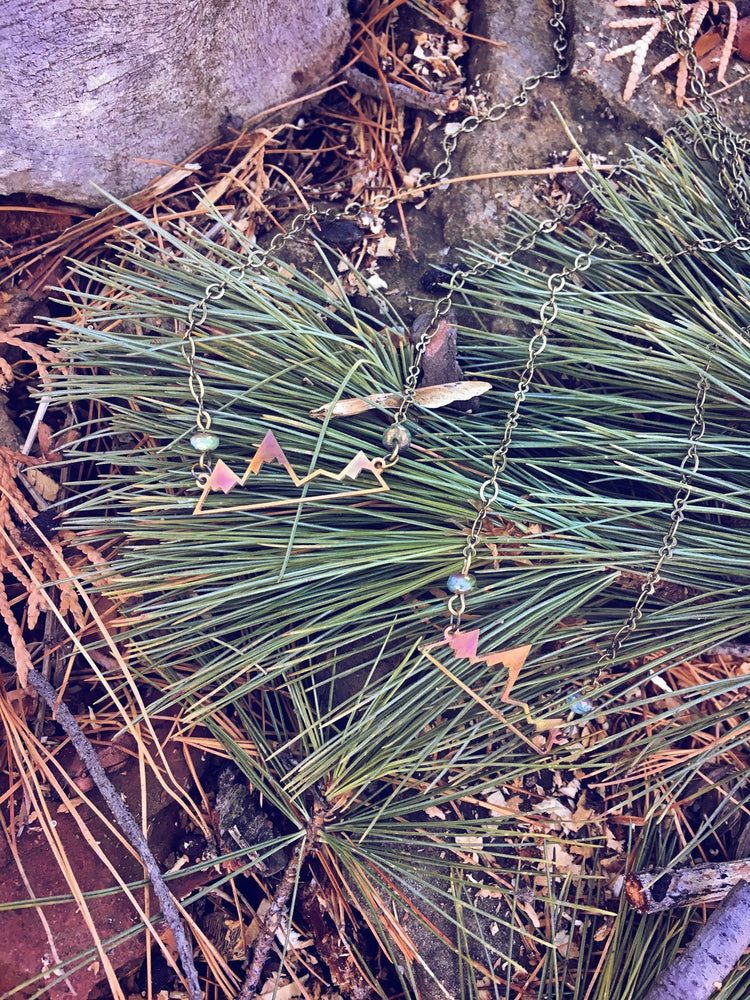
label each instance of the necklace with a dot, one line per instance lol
(726, 149)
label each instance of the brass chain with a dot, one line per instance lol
(462, 277)
(688, 469)
(706, 244)
(203, 441)
(457, 281)
(498, 111)
(489, 490)
(730, 154)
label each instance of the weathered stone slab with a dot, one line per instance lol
(109, 91)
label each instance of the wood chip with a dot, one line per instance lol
(653, 891)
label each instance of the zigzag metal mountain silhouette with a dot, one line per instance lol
(223, 478)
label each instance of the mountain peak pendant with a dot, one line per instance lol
(223, 479)
(464, 646)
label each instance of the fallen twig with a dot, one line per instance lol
(653, 891)
(580, 168)
(401, 95)
(712, 954)
(274, 913)
(126, 823)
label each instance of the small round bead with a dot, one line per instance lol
(460, 583)
(580, 706)
(397, 437)
(203, 441)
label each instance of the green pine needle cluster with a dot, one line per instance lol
(304, 624)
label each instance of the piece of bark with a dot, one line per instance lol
(242, 823)
(440, 360)
(712, 954)
(430, 396)
(654, 891)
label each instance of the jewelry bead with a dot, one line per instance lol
(580, 706)
(397, 436)
(460, 583)
(203, 441)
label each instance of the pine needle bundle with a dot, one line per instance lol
(303, 623)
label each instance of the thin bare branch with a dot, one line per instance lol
(126, 823)
(653, 891)
(712, 954)
(275, 911)
(402, 96)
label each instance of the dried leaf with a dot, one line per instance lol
(742, 39)
(705, 45)
(386, 247)
(45, 486)
(470, 841)
(289, 991)
(44, 437)
(6, 374)
(565, 944)
(432, 397)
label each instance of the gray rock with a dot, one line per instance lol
(588, 98)
(111, 91)
(445, 971)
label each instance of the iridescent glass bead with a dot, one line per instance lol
(460, 583)
(397, 437)
(203, 441)
(579, 705)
